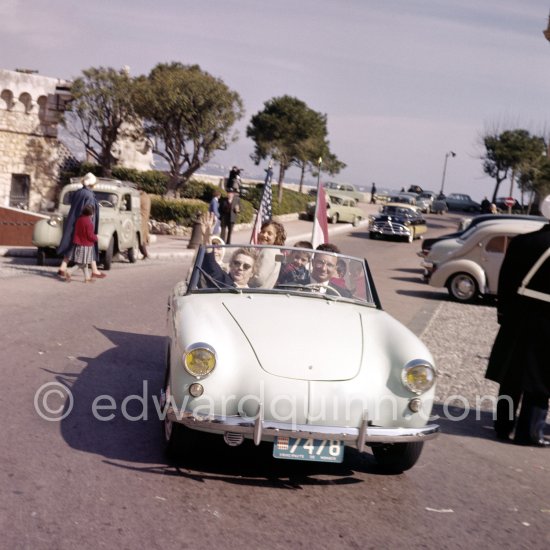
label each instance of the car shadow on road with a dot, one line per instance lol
(465, 422)
(115, 414)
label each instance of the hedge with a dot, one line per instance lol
(196, 195)
(184, 211)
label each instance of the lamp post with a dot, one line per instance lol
(447, 155)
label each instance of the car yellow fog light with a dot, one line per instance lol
(196, 390)
(415, 405)
(418, 376)
(199, 359)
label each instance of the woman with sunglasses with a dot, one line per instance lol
(241, 265)
(241, 268)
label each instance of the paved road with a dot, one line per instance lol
(90, 484)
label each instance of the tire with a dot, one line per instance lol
(40, 256)
(463, 287)
(108, 255)
(373, 235)
(398, 457)
(334, 218)
(176, 436)
(132, 252)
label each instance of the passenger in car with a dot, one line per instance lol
(296, 271)
(269, 260)
(324, 269)
(241, 269)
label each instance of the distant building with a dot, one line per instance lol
(30, 153)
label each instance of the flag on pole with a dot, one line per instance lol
(265, 210)
(319, 234)
(320, 225)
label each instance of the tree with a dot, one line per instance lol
(291, 133)
(102, 111)
(188, 115)
(510, 153)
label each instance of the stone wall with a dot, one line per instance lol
(30, 110)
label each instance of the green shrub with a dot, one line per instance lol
(150, 181)
(196, 189)
(292, 202)
(181, 211)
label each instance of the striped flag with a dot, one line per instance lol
(320, 225)
(265, 211)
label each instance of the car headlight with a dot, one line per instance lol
(55, 221)
(418, 376)
(199, 359)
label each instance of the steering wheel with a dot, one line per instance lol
(106, 203)
(329, 289)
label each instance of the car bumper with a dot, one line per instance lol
(390, 230)
(259, 429)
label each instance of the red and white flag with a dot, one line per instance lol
(320, 224)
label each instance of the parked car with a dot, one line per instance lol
(383, 194)
(468, 266)
(339, 209)
(423, 204)
(345, 190)
(309, 383)
(398, 220)
(119, 221)
(501, 205)
(465, 223)
(429, 197)
(403, 198)
(462, 202)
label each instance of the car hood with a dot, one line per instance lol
(302, 338)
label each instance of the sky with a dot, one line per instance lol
(402, 82)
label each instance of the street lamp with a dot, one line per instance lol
(447, 155)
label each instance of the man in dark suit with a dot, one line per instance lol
(230, 206)
(324, 268)
(519, 358)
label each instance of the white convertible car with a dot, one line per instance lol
(291, 347)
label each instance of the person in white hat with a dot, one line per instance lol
(79, 200)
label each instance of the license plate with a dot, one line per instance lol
(301, 448)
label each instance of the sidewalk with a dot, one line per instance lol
(169, 246)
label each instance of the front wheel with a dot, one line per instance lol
(398, 457)
(40, 256)
(132, 252)
(463, 287)
(334, 218)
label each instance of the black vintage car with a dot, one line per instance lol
(398, 220)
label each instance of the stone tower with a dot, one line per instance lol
(30, 153)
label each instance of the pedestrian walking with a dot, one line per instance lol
(145, 211)
(79, 199)
(519, 358)
(84, 238)
(230, 207)
(373, 194)
(214, 208)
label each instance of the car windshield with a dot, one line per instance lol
(281, 270)
(469, 232)
(108, 200)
